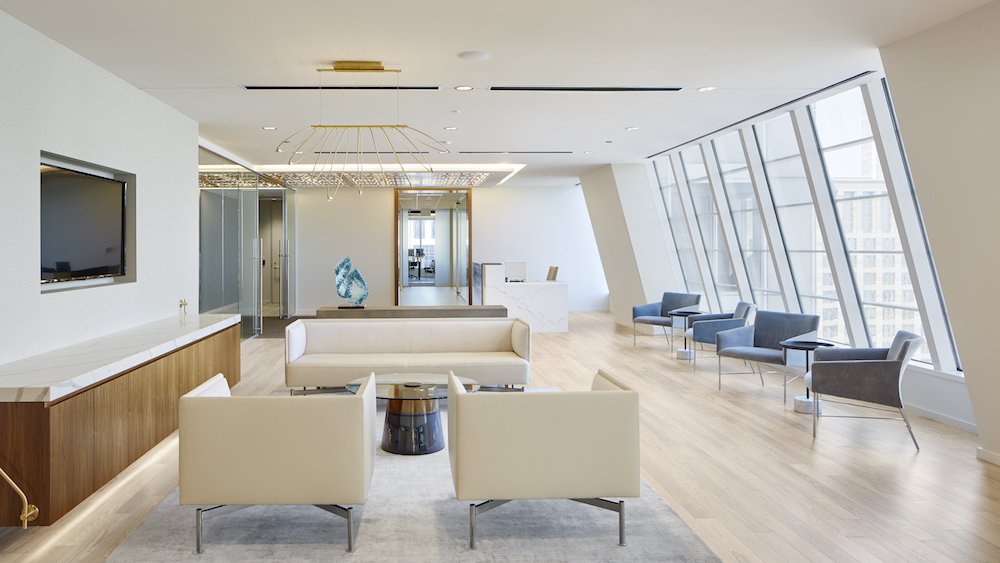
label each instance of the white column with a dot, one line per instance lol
(726, 222)
(769, 218)
(684, 192)
(826, 213)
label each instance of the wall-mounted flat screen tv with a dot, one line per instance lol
(82, 227)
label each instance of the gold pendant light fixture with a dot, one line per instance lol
(338, 151)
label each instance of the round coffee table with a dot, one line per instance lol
(412, 415)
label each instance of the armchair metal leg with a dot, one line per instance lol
(347, 513)
(199, 517)
(633, 335)
(479, 509)
(760, 373)
(720, 373)
(784, 392)
(908, 427)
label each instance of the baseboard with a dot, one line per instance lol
(988, 456)
(943, 419)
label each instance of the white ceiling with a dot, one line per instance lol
(196, 56)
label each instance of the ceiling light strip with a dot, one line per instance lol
(580, 89)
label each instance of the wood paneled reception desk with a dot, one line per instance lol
(73, 418)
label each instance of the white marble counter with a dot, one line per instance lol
(55, 374)
(542, 304)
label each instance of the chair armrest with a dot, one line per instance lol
(295, 341)
(277, 449)
(841, 354)
(520, 339)
(709, 317)
(542, 445)
(647, 310)
(874, 381)
(705, 331)
(731, 338)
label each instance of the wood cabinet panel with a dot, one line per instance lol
(111, 428)
(71, 455)
(24, 455)
(61, 452)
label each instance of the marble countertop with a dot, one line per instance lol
(57, 373)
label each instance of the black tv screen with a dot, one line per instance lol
(82, 226)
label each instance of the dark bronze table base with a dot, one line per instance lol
(412, 427)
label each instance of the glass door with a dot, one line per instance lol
(251, 260)
(433, 255)
(287, 256)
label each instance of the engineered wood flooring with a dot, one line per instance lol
(739, 466)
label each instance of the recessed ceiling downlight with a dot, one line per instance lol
(631, 128)
(474, 55)
(706, 88)
(268, 128)
(463, 88)
(451, 128)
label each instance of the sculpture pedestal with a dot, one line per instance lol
(805, 405)
(685, 354)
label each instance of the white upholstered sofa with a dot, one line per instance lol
(569, 445)
(333, 352)
(275, 450)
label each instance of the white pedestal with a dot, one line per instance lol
(685, 354)
(805, 406)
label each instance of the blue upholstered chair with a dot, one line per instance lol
(658, 314)
(871, 375)
(761, 341)
(704, 327)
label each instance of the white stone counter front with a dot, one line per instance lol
(542, 304)
(57, 373)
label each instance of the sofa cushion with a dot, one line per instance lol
(754, 354)
(336, 370)
(488, 368)
(660, 321)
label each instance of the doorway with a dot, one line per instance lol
(277, 235)
(433, 254)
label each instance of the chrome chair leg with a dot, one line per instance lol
(908, 427)
(816, 404)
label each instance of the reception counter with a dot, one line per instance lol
(542, 304)
(73, 418)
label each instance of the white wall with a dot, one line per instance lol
(944, 83)
(361, 227)
(543, 227)
(55, 101)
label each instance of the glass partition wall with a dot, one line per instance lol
(230, 278)
(433, 254)
(817, 222)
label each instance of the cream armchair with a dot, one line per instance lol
(578, 446)
(239, 451)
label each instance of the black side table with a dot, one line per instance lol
(804, 404)
(684, 353)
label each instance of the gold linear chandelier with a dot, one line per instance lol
(339, 151)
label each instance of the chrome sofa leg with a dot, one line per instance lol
(908, 427)
(197, 531)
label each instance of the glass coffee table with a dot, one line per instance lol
(412, 415)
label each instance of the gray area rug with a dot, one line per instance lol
(412, 515)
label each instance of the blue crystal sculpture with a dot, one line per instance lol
(350, 285)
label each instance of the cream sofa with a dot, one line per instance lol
(333, 352)
(571, 445)
(275, 450)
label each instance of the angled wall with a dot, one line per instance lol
(944, 84)
(623, 213)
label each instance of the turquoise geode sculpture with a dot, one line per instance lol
(350, 284)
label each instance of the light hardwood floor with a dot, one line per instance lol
(739, 466)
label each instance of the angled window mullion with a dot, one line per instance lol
(769, 218)
(736, 260)
(684, 192)
(673, 258)
(826, 214)
(911, 235)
